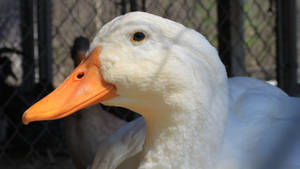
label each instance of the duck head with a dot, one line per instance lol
(141, 62)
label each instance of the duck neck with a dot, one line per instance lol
(183, 138)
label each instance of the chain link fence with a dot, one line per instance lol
(75, 18)
(41, 145)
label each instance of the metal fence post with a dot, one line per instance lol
(286, 45)
(27, 44)
(231, 36)
(123, 7)
(44, 41)
(133, 5)
(143, 5)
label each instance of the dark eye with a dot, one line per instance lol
(138, 36)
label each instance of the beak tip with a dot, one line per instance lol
(25, 119)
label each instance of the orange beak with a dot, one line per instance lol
(84, 87)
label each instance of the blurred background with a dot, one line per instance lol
(255, 38)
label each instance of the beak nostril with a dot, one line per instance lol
(80, 75)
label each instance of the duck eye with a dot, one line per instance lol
(138, 36)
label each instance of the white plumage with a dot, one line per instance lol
(262, 119)
(196, 118)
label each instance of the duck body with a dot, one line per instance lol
(195, 117)
(261, 131)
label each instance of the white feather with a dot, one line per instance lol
(176, 80)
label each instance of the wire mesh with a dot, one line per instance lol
(41, 145)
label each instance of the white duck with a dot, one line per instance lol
(173, 76)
